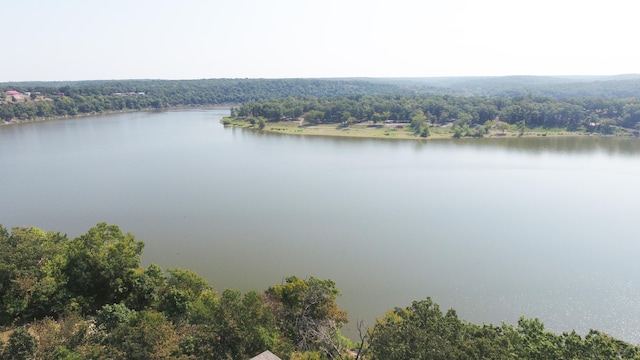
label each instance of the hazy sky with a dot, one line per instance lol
(194, 39)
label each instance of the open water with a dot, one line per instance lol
(495, 228)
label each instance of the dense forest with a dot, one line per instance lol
(90, 298)
(53, 99)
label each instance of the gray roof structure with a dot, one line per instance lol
(267, 355)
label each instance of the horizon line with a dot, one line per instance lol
(334, 78)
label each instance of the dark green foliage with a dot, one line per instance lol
(188, 281)
(422, 331)
(307, 313)
(175, 303)
(183, 288)
(101, 266)
(45, 274)
(30, 282)
(313, 116)
(147, 335)
(21, 346)
(419, 123)
(112, 316)
(62, 353)
(147, 288)
(232, 326)
(261, 123)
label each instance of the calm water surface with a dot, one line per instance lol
(496, 229)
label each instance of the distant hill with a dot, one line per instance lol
(616, 86)
(241, 90)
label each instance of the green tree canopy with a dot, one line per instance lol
(308, 313)
(101, 267)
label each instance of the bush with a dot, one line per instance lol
(21, 346)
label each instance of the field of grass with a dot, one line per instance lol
(397, 130)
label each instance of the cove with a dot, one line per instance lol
(495, 228)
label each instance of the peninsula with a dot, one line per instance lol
(440, 116)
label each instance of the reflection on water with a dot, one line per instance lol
(496, 228)
(629, 146)
(569, 145)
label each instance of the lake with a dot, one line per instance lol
(495, 228)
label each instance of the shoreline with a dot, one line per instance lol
(401, 131)
(105, 113)
(65, 117)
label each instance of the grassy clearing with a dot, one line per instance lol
(4, 336)
(397, 131)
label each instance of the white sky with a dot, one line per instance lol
(194, 39)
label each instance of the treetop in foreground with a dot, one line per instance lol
(89, 298)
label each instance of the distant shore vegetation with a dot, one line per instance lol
(41, 100)
(90, 298)
(403, 108)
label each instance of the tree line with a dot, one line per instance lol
(89, 298)
(52, 99)
(328, 101)
(589, 114)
